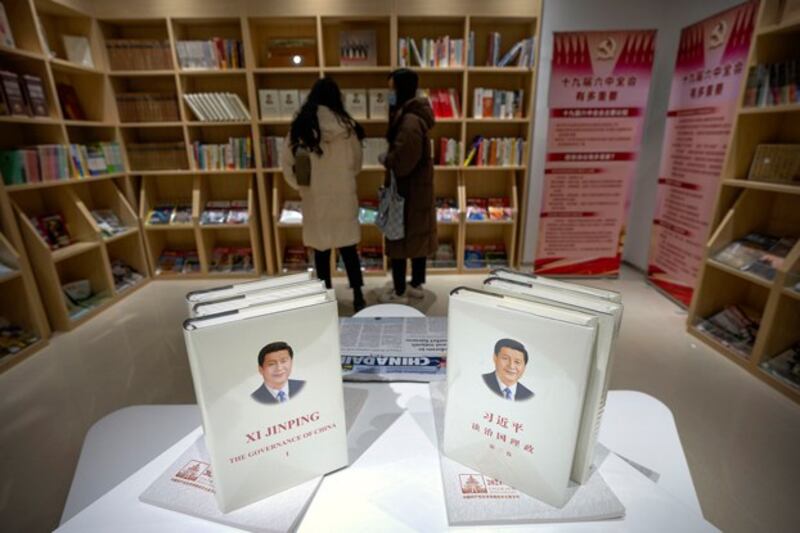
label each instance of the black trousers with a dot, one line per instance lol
(322, 262)
(399, 273)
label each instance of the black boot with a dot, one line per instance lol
(358, 300)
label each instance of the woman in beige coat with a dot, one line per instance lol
(330, 201)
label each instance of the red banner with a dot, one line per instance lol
(712, 57)
(599, 84)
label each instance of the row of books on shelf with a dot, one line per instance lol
(773, 84)
(231, 260)
(521, 54)
(497, 103)
(44, 162)
(212, 54)
(215, 212)
(757, 253)
(439, 52)
(785, 366)
(53, 162)
(485, 255)
(178, 262)
(139, 54)
(147, 107)
(96, 159)
(449, 151)
(80, 297)
(108, 222)
(14, 338)
(777, 163)
(271, 151)
(733, 327)
(157, 156)
(217, 107)
(480, 209)
(236, 154)
(447, 209)
(22, 94)
(125, 276)
(495, 151)
(225, 212)
(445, 103)
(170, 213)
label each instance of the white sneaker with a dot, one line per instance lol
(391, 297)
(415, 292)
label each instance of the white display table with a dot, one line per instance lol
(394, 482)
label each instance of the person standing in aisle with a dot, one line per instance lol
(409, 157)
(321, 157)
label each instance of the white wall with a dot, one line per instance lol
(666, 16)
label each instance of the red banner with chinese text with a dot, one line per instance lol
(712, 55)
(599, 84)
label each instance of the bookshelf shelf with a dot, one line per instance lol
(72, 250)
(762, 186)
(89, 124)
(67, 66)
(141, 73)
(212, 72)
(767, 110)
(59, 183)
(20, 119)
(151, 125)
(19, 52)
(497, 120)
(122, 235)
(746, 206)
(218, 124)
(744, 275)
(500, 70)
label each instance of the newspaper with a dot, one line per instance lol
(393, 349)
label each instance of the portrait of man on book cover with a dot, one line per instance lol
(510, 360)
(275, 366)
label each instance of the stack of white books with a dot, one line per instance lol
(528, 367)
(372, 148)
(265, 363)
(217, 107)
(280, 104)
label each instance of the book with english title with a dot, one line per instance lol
(272, 407)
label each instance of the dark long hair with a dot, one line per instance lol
(305, 127)
(405, 83)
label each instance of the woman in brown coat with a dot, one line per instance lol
(409, 156)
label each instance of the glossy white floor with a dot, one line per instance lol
(741, 438)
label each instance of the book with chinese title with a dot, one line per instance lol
(609, 317)
(269, 387)
(516, 383)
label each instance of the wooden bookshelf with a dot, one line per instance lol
(112, 26)
(744, 206)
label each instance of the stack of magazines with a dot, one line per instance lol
(757, 253)
(733, 327)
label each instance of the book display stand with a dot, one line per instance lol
(746, 205)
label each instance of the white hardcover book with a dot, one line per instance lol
(249, 299)
(415, 51)
(477, 103)
(78, 50)
(475, 499)
(303, 93)
(269, 386)
(244, 114)
(187, 486)
(516, 381)
(223, 99)
(507, 273)
(208, 106)
(269, 104)
(609, 316)
(198, 113)
(289, 103)
(215, 99)
(355, 102)
(226, 291)
(379, 104)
